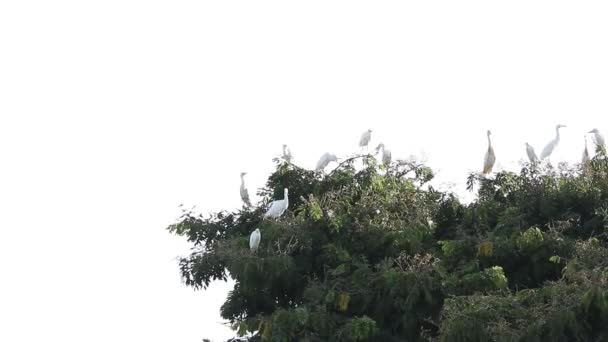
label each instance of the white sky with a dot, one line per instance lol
(114, 112)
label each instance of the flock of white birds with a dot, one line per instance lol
(490, 158)
(277, 208)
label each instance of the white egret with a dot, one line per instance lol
(277, 208)
(552, 144)
(586, 158)
(254, 240)
(244, 192)
(287, 153)
(531, 154)
(490, 158)
(598, 138)
(325, 160)
(386, 154)
(365, 138)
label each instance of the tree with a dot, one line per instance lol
(376, 254)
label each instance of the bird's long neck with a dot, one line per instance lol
(242, 180)
(489, 141)
(557, 133)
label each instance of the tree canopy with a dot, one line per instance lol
(374, 253)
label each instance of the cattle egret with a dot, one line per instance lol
(365, 138)
(531, 154)
(244, 192)
(287, 153)
(254, 240)
(386, 154)
(598, 138)
(277, 208)
(490, 158)
(586, 158)
(551, 145)
(325, 160)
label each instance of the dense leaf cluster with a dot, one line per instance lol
(368, 253)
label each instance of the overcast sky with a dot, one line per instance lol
(114, 112)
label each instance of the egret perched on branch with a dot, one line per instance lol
(586, 158)
(598, 138)
(325, 160)
(551, 145)
(386, 154)
(365, 138)
(490, 158)
(244, 192)
(277, 208)
(254, 240)
(287, 153)
(531, 154)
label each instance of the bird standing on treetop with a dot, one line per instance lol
(287, 153)
(490, 158)
(325, 160)
(586, 159)
(277, 208)
(598, 138)
(386, 154)
(552, 144)
(254, 240)
(244, 192)
(365, 138)
(531, 154)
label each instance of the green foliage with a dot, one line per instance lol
(375, 254)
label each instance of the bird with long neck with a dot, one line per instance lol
(531, 154)
(586, 159)
(490, 157)
(552, 144)
(244, 192)
(277, 208)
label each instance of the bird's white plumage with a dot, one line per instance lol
(277, 208)
(490, 158)
(586, 159)
(287, 153)
(325, 160)
(552, 144)
(531, 154)
(598, 138)
(365, 138)
(386, 154)
(244, 191)
(254, 240)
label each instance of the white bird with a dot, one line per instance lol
(244, 192)
(531, 154)
(287, 153)
(552, 144)
(386, 154)
(490, 158)
(325, 160)
(598, 138)
(586, 158)
(254, 240)
(277, 208)
(365, 138)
